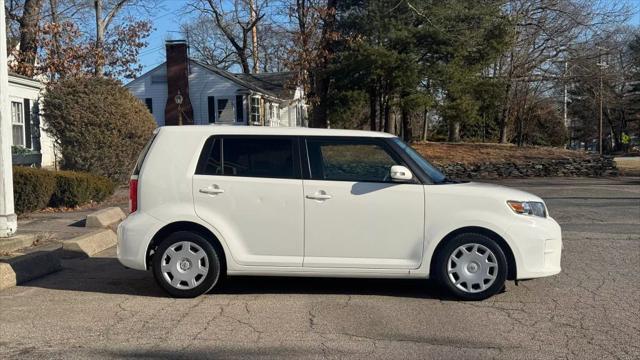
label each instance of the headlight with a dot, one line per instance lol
(534, 208)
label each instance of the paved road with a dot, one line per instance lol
(95, 308)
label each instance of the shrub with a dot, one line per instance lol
(35, 189)
(77, 188)
(32, 188)
(99, 126)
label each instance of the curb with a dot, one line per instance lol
(91, 243)
(105, 217)
(16, 242)
(27, 267)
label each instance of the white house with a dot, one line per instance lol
(27, 125)
(182, 91)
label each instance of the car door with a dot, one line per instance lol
(249, 188)
(355, 216)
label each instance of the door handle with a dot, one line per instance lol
(319, 196)
(211, 190)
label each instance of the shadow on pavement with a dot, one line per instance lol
(106, 275)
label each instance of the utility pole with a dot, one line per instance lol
(8, 219)
(254, 37)
(602, 65)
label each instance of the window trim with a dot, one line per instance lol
(393, 152)
(20, 114)
(207, 147)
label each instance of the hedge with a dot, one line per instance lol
(35, 189)
(32, 188)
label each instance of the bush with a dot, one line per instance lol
(99, 126)
(32, 188)
(35, 189)
(76, 188)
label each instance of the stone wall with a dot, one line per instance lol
(593, 165)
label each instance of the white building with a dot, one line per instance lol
(211, 95)
(31, 144)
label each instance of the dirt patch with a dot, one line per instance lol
(444, 153)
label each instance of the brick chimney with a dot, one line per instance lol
(177, 83)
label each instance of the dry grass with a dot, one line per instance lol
(629, 166)
(475, 153)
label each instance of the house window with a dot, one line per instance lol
(255, 110)
(17, 122)
(225, 110)
(149, 103)
(239, 108)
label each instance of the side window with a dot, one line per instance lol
(250, 157)
(362, 161)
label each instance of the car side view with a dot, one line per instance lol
(211, 201)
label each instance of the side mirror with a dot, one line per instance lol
(400, 173)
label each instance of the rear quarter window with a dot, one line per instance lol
(143, 154)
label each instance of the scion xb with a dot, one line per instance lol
(214, 201)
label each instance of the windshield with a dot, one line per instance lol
(429, 169)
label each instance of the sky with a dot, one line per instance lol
(170, 13)
(166, 23)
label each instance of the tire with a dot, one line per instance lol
(471, 267)
(186, 265)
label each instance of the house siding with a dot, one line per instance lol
(204, 83)
(18, 92)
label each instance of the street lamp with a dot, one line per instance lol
(178, 99)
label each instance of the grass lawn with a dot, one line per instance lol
(476, 153)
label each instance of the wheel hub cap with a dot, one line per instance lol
(472, 268)
(184, 265)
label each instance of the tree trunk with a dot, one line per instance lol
(254, 38)
(244, 62)
(53, 8)
(373, 99)
(99, 69)
(504, 116)
(29, 36)
(321, 84)
(407, 130)
(425, 126)
(454, 131)
(387, 116)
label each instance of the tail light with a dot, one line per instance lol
(133, 195)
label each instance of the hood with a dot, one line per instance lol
(495, 191)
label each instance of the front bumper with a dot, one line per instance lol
(134, 235)
(537, 246)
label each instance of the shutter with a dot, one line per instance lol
(239, 108)
(27, 123)
(211, 105)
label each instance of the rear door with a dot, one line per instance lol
(250, 189)
(355, 216)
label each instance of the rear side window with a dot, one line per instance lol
(143, 154)
(344, 160)
(246, 156)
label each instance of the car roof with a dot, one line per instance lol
(265, 130)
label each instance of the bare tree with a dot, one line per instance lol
(543, 30)
(234, 20)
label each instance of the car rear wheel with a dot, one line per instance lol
(471, 267)
(186, 265)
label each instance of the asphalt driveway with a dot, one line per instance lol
(95, 308)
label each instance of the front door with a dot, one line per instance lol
(249, 188)
(355, 216)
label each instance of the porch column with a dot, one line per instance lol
(8, 220)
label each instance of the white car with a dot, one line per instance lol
(209, 201)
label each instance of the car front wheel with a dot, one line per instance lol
(471, 267)
(186, 265)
